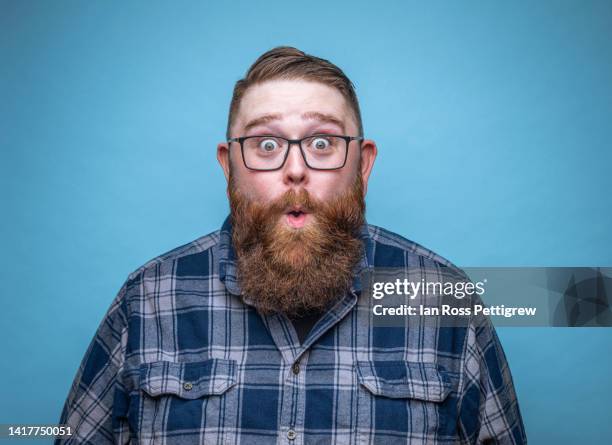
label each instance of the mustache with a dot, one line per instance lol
(293, 199)
(290, 200)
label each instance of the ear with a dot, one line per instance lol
(223, 156)
(368, 156)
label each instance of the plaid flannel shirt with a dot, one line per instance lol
(181, 358)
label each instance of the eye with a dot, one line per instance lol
(268, 145)
(320, 143)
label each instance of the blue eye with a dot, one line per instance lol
(268, 145)
(320, 143)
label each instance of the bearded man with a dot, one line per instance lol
(259, 333)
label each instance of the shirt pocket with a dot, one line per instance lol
(400, 401)
(186, 399)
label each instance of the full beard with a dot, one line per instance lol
(293, 270)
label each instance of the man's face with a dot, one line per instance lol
(296, 230)
(295, 109)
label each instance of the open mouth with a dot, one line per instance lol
(296, 218)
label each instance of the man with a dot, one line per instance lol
(257, 333)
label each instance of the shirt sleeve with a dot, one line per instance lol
(96, 406)
(489, 411)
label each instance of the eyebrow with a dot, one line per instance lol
(311, 115)
(327, 118)
(261, 120)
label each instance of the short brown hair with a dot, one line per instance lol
(285, 62)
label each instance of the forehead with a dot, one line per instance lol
(292, 99)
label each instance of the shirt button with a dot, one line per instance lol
(291, 434)
(187, 386)
(296, 368)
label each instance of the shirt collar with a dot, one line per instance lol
(228, 268)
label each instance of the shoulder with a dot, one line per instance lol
(393, 250)
(179, 260)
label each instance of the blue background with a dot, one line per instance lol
(492, 121)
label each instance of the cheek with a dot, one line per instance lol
(327, 186)
(260, 186)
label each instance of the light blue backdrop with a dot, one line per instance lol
(493, 124)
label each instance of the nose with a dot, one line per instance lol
(295, 170)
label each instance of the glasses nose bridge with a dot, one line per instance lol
(297, 142)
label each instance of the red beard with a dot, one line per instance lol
(288, 270)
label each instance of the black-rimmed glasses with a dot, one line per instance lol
(320, 151)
